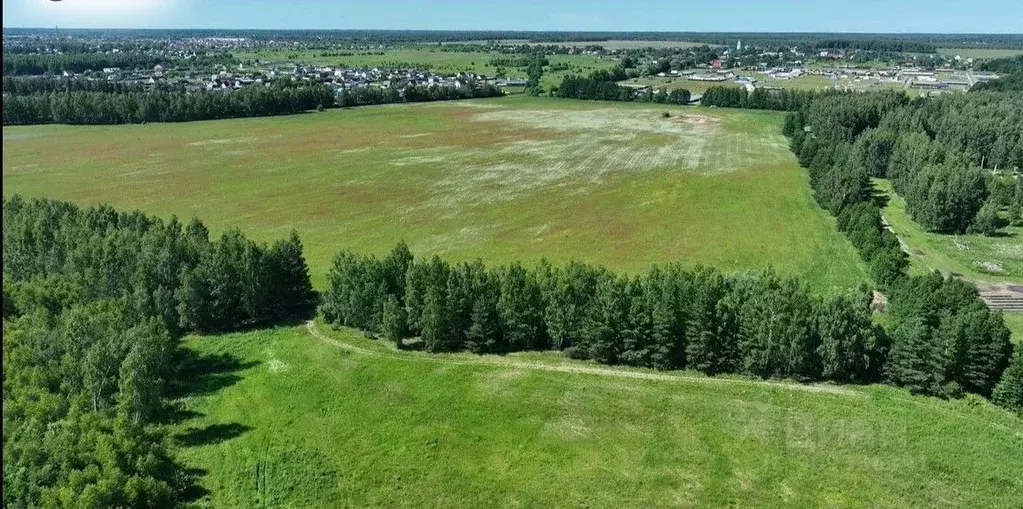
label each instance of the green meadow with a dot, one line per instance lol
(282, 418)
(980, 53)
(504, 179)
(973, 256)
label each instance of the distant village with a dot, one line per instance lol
(337, 78)
(732, 66)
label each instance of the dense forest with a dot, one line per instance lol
(28, 85)
(938, 152)
(56, 63)
(360, 96)
(94, 301)
(161, 106)
(601, 85)
(761, 98)
(944, 341)
(1007, 65)
(132, 106)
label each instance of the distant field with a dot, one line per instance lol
(502, 179)
(677, 82)
(636, 44)
(378, 429)
(975, 257)
(979, 53)
(699, 87)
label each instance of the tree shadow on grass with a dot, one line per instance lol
(201, 374)
(212, 434)
(880, 198)
(190, 490)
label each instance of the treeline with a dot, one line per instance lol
(760, 98)
(1011, 68)
(56, 63)
(932, 320)
(935, 151)
(94, 301)
(1008, 65)
(28, 85)
(161, 106)
(133, 107)
(160, 268)
(363, 96)
(1008, 83)
(763, 325)
(602, 85)
(515, 61)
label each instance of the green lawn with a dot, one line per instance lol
(286, 420)
(1015, 323)
(979, 53)
(976, 257)
(502, 179)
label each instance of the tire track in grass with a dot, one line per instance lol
(492, 360)
(497, 361)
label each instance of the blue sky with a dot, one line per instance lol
(942, 16)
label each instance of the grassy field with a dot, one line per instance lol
(379, 429)
(502, 179)
(976, 257)
(1015, 323)
(980, 53)
(676, 82)
(699, 87)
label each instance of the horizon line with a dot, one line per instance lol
(497, 30)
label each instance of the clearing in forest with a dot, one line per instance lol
(289, 420)
(504, 179)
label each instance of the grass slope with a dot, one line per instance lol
(1015, 323)
(300, 423)
(934, 251)
(502, 179)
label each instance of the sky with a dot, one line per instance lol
(931, 16)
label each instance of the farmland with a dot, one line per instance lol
(285, 419)
(813, 82)
(980, 53)
(504, 179)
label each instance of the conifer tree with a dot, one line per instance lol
(394, 321)
(433, 321)
(1009, 392)
(913, 362)
(483, 334)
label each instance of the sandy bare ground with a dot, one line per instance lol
(493, 360)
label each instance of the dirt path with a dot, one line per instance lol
(492, 360)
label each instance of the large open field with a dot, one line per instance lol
(980, 53)
(502, 179)
(379, 428)
(698, 87)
